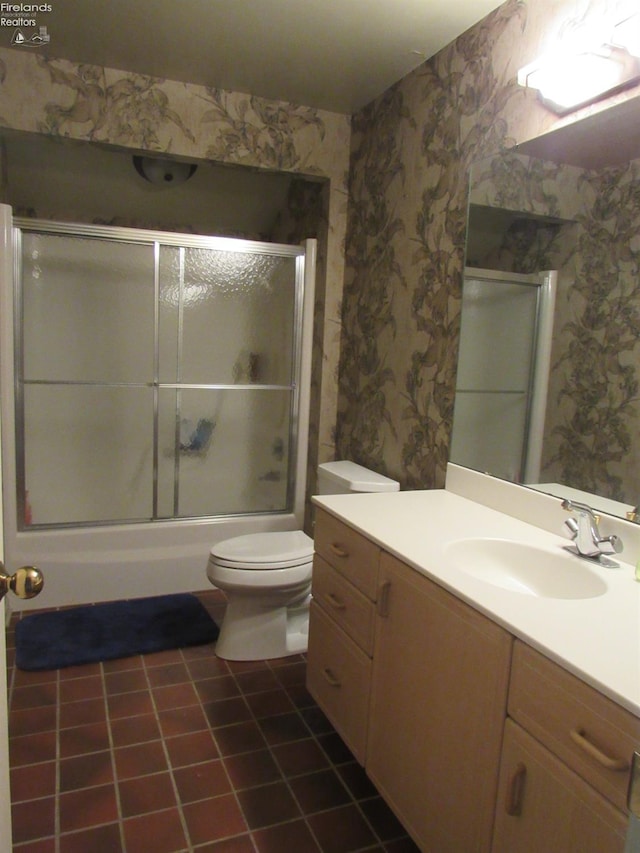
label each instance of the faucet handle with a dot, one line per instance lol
(572, 526)
(614, 541)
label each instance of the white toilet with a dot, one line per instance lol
(267, 577)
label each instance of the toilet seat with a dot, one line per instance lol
(264, 551)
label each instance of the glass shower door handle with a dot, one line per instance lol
(26, 582)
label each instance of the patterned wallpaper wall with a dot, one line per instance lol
(141, 113)
(411, 153)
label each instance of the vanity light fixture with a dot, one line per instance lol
(579, 75)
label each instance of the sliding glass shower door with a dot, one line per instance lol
(157, 375)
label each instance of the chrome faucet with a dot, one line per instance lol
(586, 535)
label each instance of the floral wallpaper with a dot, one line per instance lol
(411, 154)
(146, 114)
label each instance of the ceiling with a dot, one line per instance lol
(332, 54)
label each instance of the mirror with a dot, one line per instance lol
(569, 202)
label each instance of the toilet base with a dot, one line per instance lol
(253, 630)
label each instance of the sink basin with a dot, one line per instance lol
(525, 569)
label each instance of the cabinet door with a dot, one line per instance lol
(543, 806)
(439, 692)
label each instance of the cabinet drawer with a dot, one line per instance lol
(352, 554)
(339, 679)
(594, 736)
(353, 612)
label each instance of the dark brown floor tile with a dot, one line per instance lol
(174, 673)
(146, 794)
(290, 674)
(283, 728)
(79, 689)
(126, 681)
(206, 652)
(257, 681)
(130, 730)
(316, 720)
(23, 678)
(341, 830)
(85, 771)
(242, 737)
(33, 819)
(191, 748)
(226, 711)
(385, 824)
(202, 667)
(294, 836)
(300, 696)
(316, 792)
(83, 712)
(214, 819)
(267, 805)
(251, 769)
(237, 666)
(239, 844)
(122, 664)
(357, 781)
(130, 704)
(99, 839)
(88, 807)
(82, 671)
(32, 749)
(164, 658)
(31, 720)
(268, 703)
(82, 739)
(34, 696)
(175, 696)
(201, 781)
(140, 760)
(215, 689)
(160, 832)
(33, 782)
(302, 756)
(335, 748)
(179, 721)
(42, 845)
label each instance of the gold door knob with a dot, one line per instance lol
(26, 582)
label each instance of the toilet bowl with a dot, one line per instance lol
(267, 577)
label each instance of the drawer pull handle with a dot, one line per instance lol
(338, 550)
(334, 601)
(515, 791)
(579, 737)
(383, 598)
(333, 681)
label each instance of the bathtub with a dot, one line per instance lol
(92, 564)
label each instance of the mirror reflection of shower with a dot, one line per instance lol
(503, 372)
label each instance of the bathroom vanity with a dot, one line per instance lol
(490, 718)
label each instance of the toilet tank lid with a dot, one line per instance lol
(356, 478)
(256, 548)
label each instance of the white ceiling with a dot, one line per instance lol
(333, 54)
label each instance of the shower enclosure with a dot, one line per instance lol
(160, 383)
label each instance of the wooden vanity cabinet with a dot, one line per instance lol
(341, 628)
(566, 762)
(438, 702)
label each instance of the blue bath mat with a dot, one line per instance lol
(118, 629)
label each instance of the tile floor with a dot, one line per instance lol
(182, 751)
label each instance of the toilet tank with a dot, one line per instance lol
(338, 478)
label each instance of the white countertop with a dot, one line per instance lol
(598, 639)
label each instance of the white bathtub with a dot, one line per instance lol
(91, 564)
